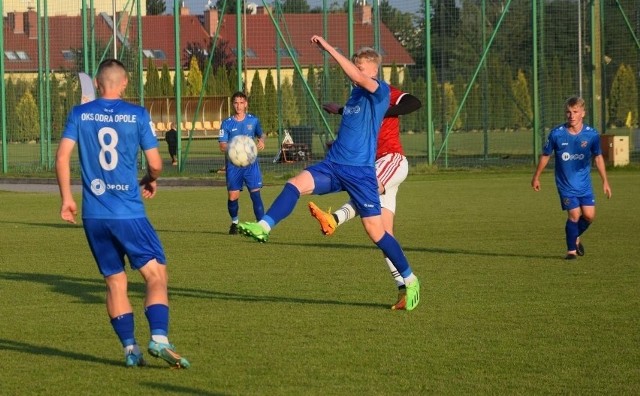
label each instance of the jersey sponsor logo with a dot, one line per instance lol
(99, 187)
(348, 110)
(572, 157)
(564, 144)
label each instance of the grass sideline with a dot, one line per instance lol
(501, 311)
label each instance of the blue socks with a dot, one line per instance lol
(283, 205)
(232, 206)
(124, 326)
(582, 225)
(258, 207)
(391, 248)
(158, 317)
(571, 231)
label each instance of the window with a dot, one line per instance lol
(22, 55)
(283, 52)
(68, 55)
(154, 54)
(11, 55)
(248, 52)
(159, 54)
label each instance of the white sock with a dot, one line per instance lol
(265, 226)
(394, 273)
(410, 279)
(160, 339)
(131, 349)
(345, 213)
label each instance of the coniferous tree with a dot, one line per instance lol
(183, 82)
(11, 101)
(292, 114)
(166, 86)
(256, 99)
(394, 77)
(269, 117)
(623, 98)
(523, 114)
(152, 86)
(194, 78)
(27, 123)
(58, 113)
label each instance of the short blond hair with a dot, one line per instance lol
(574, 101)
(367, 54)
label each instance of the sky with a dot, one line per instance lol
(197, 6)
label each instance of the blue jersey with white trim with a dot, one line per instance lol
(573, 155)
(357, 138)
(109, 134)
(231, 128)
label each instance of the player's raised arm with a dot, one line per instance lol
(353, 72)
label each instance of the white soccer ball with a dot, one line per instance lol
(242, 150)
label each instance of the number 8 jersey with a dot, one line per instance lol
(109, 134)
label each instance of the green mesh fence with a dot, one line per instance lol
(492, 75)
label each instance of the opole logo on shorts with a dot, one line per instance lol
(98, 187)
(571, 157)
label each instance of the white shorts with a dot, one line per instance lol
(391, 170)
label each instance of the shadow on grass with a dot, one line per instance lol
(50, 225)
(92, 291)
(160, 387)
(418, 249)
(23, 347)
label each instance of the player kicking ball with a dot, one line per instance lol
(349, 164)
(392, 169)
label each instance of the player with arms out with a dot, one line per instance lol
(574, 145)
(349, 164)
(241, 123)
(109, 133)
(392, 169)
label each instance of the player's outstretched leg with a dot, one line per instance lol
(167, 353)
(253, 230)
(328, 224)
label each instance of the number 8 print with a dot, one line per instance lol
(108, 148)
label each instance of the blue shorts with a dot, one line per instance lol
(112, 239)
(359, 182)
(569, 202)
(237, 177)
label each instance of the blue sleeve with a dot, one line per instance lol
(596, 148)
(148, 139)
(258, 131)
(71, 126)
(223, 136)
(549, 144)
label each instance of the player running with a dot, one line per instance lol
(392, 168)
(349, 165)
(575, 145)
(109, 133)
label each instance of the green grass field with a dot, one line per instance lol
(501, 311)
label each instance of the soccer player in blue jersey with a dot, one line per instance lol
(574, 145)
(241, 123)
(349, 165)
(109, 133)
